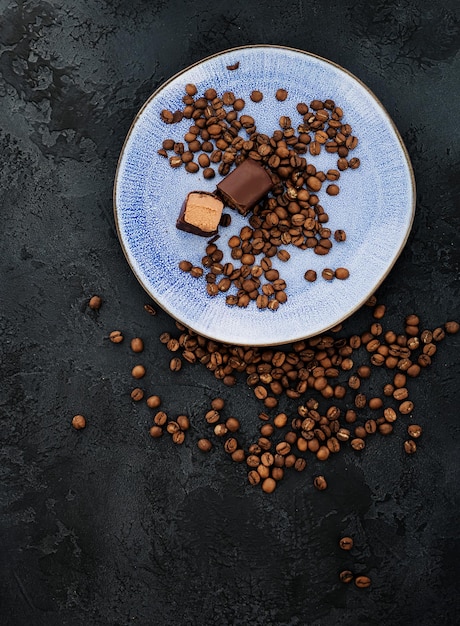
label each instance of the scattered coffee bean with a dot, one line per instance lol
(346, 576)
(156, 432)
(116, 336)
(269, 485)
(153, 402)
(137, 345)
(95, 303)
(256, 96)
(342, 273)
(138, 371)
(204, 445)
(410, 446)
(281, 95)
(346, 543)
(78, 422)
(452, 327)
(414, 430)
(310, 275)
(362, 582)
(137, 394)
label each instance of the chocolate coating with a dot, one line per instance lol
(200, 213)
(245, 186)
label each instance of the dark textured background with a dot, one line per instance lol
(106, 526)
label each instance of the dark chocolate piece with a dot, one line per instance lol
(200, 213)
(245, 186)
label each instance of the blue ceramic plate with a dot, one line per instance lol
(375, 205)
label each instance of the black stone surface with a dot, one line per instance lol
(106, 526)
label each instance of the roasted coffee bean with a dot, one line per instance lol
(320, 483)
(138, 371)
(269, 485)
(95, 303)
(204, 445)
(452, 327)
(116, 336)
(363, 582)
(156, 432)
(281, 95)
(153, 402)
(414, 430)
(332, 190)
(406, 407)
(78, 422)
(137, 394)
(183, 421)
(137, 345)
(385, 428)
(346, 543)
(175, 364)
(410, 447)
(346, 576)
(310, 276)
(342, 273)
(256, 96)
(390, 414)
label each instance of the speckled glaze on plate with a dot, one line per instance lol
(375, 205)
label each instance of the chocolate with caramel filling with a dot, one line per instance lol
(245, 186)
(200, 213)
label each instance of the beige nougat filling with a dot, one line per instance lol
(203, 211)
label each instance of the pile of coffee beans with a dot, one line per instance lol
(292, 215)
(325, 375)
(324, 379)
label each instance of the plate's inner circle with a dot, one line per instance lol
(375, 204)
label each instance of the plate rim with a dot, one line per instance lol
(388, 119)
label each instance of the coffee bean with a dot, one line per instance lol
(410, 447)
(362, 582)
(95, 303)
(183, 421)
(346, 543)
(379, 311)
(153, 402)
(138, 371)
(414, 430)
(269, 485)
(438, 334)
(357, 443)
(320, 483)
(310, 276)
(346, 576)
(342, 273)
(178, 437)
(406, 407)
(175, 364)
(137, 345)
(137, 394)
(156, 432)
(452, 327)
(204, 445)
(281, 94)
(78, 422)
(332, 190)
(116, 336)
(160, 418)
(232, 424)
